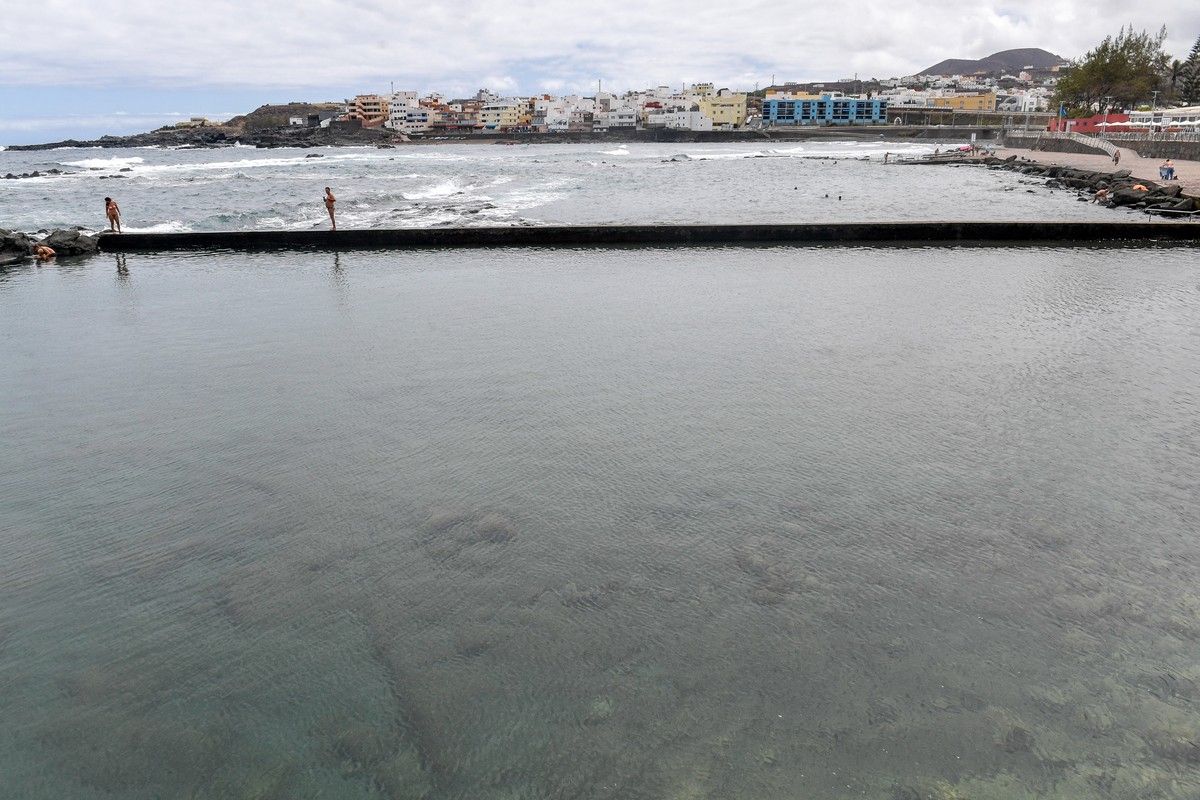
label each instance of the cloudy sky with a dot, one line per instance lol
(89, 67)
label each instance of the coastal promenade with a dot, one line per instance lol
(1187, 172)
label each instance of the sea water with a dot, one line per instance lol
(636, 523)
(240, 188)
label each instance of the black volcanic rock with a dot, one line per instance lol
(72, 243)
(14, 246)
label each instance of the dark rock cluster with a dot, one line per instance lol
(16, 246)
(1121, 189)
(35, 174)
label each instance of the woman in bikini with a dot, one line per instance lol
(113, 212)
(329, 201)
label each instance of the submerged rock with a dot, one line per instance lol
(495, 528)
(1017, 740)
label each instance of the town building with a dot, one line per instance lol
(830, 109)
(726, 109)
(503, 115)
(1166, 119)
(371, 109)
(974, 101)
(693, 120)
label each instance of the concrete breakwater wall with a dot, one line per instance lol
(887, 233)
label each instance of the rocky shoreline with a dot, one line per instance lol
(1117, 189)
(227, 136)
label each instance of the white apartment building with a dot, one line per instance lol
(621, 118)
(678, 120)
(400, 104)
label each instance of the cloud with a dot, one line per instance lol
(526, 45)
(116, 120)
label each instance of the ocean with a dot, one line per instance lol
(238, 188)
(701, 522)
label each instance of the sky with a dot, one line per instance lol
(123, 66)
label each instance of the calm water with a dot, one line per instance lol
(487, 184)
(703, 523)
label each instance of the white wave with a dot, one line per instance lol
(532, 197)
(444, 189)
(622, 150)
(174, 226)
(104, 163)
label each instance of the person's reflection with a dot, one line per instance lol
(122, 267)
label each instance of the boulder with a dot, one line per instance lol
(14, 246)
(1122, 173)
(72, 243)
(1126, 197)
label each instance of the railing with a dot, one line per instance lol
(1079, 138)
(1163, 136)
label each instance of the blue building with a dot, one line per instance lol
(828, 109)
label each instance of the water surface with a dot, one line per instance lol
(699, 523)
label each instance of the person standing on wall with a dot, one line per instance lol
(113, 212)
(329, 201)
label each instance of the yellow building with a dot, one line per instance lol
(726, 110)
(977, 101)
(502, 116)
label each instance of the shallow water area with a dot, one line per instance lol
(750, 522)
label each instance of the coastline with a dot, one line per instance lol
(218, 137)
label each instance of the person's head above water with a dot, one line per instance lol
(327, 188)
(108, 199)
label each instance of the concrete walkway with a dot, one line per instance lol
(1187, 173)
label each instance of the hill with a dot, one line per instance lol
(276, 116)
(1004, 61)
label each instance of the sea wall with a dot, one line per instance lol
(1185, 151)
(1031, 141)
(660, 235)
(1147, 148)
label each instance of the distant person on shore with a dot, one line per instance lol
(1169, 167)
(43, 252)
(329, 201)
(1116, 157)
(113, 212)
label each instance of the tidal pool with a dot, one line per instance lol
(700, 523)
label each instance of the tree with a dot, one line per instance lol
(1189, 84)
(1120, 71)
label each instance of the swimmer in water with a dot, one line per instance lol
(43, 252)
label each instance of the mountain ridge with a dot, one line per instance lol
(1003, 61)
